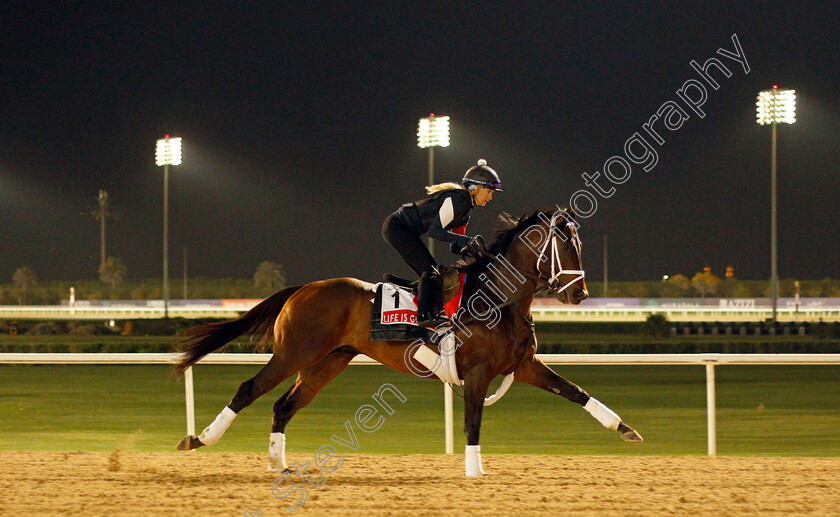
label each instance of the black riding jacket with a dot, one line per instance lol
(438, 214)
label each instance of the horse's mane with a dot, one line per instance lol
(505, 230)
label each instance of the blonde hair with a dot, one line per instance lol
(449, 185)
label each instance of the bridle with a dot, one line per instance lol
(555, 234)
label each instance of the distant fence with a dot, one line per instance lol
(709, 360)
(696, 310)
(693, 310)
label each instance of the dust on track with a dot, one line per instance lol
(199, 483)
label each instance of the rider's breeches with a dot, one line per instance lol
(409, 245)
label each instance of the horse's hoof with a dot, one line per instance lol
(277, 470)
(189, 443)
(631, 436)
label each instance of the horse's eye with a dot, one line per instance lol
(566, 247)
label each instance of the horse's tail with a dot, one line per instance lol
(203, 339)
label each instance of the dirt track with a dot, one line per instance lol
(197, 483)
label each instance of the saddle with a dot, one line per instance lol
(449, 276)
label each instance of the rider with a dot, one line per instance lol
(443, 216)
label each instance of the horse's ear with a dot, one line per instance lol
(568, 213)
(572, 221)
(569, 216)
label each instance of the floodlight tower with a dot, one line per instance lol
(774, 107)
(168, 152)
(432, 131)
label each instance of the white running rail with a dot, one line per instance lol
(709, 360)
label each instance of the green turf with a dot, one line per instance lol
(553, 338)
(762, 410)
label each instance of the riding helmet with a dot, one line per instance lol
(481, 175)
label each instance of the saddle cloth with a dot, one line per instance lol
(451, 278)
(394, 314)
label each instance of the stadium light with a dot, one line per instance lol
(773, 107)
(432, 131)
(168, 152)
(776, 106)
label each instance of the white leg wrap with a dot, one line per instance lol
(472, 455)
(214, 431)
(277, 452)
(602, 414)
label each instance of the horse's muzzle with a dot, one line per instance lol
(579, 295)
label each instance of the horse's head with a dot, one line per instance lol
(544, 246)
(552, 244)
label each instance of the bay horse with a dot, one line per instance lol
(317, 328)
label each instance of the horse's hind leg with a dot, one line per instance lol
(536, 373)
(264, 381)
(309, 382)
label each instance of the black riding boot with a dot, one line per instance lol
(430, 301)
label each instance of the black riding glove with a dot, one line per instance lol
(474, 247)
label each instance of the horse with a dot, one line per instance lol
(317, 328)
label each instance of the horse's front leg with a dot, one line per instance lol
(475, 389)
(538, 374)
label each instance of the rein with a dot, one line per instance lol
(510, 301)
(552, 284)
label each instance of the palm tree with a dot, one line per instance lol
(23, 277)
(114, 272)
(270, 276)
(102, 211)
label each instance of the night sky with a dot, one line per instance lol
(299, 128)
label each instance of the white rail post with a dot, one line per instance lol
(448, 424)
(710, 408)
(188, 387)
